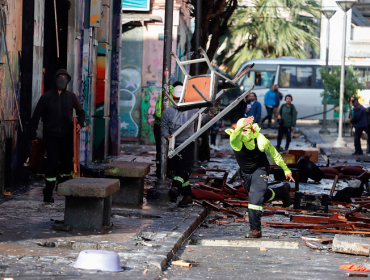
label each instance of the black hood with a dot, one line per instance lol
(64, 72)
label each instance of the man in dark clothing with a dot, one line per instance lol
(172, 120)
(368, 130)
(55, 108)
(279, 96)
(287, 120)
(253, 107)
(359, 122)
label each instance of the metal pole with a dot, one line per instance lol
(2, 159)
(324, 130)
(196, 168)
(340, 143)
(159, 191)
(198, 34)
(56, 27)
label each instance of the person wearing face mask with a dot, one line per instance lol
(250, 148)
(55, 107)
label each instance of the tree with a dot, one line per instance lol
(270, 29)
(214, 21)
(331, 82)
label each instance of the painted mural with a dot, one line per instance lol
(131, 81)
(148, 101)
(2, 40)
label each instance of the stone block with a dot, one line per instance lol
(131, 176)
(349, 244)
(89, 187)
(88, 202)
(131, 192)
(84, 213)
(126, 169)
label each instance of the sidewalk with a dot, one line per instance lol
(30, 247)
(325, 142)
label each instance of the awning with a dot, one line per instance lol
(139, 17)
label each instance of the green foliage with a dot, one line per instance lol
(331, 82)
(270, 29)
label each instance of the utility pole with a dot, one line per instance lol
(160, 190)
(345, 5)
(328, 14)
(196, 168)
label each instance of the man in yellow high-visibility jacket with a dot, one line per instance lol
(250, 148)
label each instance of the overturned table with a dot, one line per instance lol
(88, 202)
(131, 176)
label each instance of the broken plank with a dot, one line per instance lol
(357, 274)
(354, 245)
(218, 208)
(340, 231)
(334, 185)
(321, 240)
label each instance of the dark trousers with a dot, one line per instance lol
(182, 163)
(256, 185)
(157, 138)
(284, 130)
(368, 138)
(269, 115)
(358, 133)
(59, 153)
(213, 137)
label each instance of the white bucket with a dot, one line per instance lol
(98, 260)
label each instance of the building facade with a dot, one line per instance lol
(113, 55)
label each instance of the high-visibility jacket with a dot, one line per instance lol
(238, 139)
(158, 107)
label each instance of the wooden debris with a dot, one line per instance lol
(181, 263)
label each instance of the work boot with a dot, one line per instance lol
(286, 197)
(279, 149)
(253, 233)
(48, 192)
(186, 200)
(173, 193)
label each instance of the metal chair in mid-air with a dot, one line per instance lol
(200, 91)
(203, 102)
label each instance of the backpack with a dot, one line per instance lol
(291, 109)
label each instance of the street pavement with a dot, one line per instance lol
(147, 237)
(210, 249)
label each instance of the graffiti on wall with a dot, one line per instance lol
(130, 85)
(2, 41)
(149, 98)
(131, 81)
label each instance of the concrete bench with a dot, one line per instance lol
(131, 176)
(88, 202)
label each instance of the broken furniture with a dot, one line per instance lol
(200, 91)
(312, 170)
(311, 202)
(88, 202)
(172, 151)
(131, 176)
(310, 153)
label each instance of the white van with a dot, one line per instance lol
(300, 78)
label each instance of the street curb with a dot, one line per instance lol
(174, 241)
